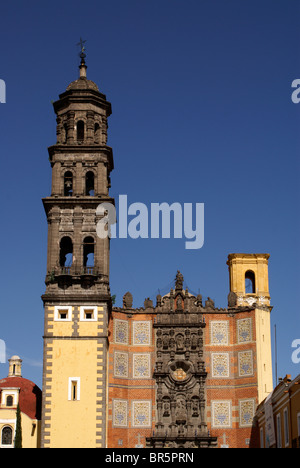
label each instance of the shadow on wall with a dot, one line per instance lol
(254, 438)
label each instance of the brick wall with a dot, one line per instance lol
(231, 389)
(131, 387)
(232, 397)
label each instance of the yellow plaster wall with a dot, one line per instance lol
(263, 353)
(75, 352)
(73, 422)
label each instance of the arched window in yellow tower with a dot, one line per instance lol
(250, 287)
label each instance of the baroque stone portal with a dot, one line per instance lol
(180, 372)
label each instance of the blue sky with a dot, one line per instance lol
(202, 113)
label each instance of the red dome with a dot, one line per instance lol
(30, 398)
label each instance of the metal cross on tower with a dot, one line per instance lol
(81, 44)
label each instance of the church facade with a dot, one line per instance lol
(179, 373)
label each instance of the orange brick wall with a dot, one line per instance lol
(130, 389)
(233, 389)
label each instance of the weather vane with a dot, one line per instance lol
(81, 43)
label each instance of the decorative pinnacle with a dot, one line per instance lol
(82, 56)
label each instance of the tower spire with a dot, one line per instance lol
(82, 55)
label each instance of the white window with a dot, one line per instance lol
(10, 397)
(7, 437)
(88, 314)
(286, 427)
(63, 313)
(278, 423)
(74, 389)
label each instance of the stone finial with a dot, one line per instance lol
(199, 300)
(127, 300)
(158, 300)
(232, 299)
(148, 303)
(209, 303)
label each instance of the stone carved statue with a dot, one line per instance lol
(179, 303)
(179, 281)
(166, 409)
(180, 342)
(209, 304)
(165, 341)
(181, 414)
(194, 341)
(195, 408)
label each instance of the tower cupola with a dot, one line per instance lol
(15, 367)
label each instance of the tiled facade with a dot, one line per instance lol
(231, 387)
(131, 415)
(232, 397)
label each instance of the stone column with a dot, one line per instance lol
(173, 417)
(59, 128)
(71, 128)
(189, 419)
(90, 127)
(77, 245)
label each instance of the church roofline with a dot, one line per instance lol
(248, 255)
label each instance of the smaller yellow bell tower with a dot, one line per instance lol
(15, 367)
(249, 280)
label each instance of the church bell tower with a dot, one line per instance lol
(77, 300)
